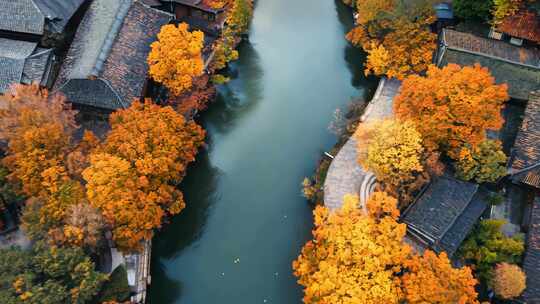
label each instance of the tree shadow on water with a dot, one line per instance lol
(199, 188)
(240, 95)
(167, 290)
(354, 56)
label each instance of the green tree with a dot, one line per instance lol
(487, 246)
(473, 9)
(483, 163)
(48, 275)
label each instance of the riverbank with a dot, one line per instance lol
(345, 175)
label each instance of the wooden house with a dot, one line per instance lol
(197, 14)
(106, 66)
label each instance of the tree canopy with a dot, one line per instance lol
(48, 275)
(132, 176)
(395, 35)
(452, 106)
(176, 57)
(360, 257)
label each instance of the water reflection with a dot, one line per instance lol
(353, 56)
(200, 194)
(241, 94)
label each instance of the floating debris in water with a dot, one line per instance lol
(237, 260)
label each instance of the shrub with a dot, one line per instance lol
(116, 288)
(509, 281)
(487, 246)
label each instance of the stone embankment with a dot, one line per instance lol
(345, 175)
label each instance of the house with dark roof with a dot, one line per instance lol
(519, 67)
(33, 18)
(525, 171)
(443, 214)
(106, 66)
(24, 62)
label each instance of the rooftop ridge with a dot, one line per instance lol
(455, 48)
(111, 36)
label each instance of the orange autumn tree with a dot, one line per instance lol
(132, 177)
(431, 279)
(452, 106)
(359, 256)
(176, 57)
(38, 130)
(395, 35)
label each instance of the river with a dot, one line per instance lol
(245, 220)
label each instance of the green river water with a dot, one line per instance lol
(245, 220)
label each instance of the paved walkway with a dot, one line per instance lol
(345, 175)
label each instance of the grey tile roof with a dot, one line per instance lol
(531, 263)
(464, 224)
(22, 62)
(21, 16)
(109, 54)
(517, 66)
(444, 213)
(526, 152)
(34, 16)
(58, 12)
(37, 67)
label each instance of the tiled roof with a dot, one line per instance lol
(106, 64)
(519, 67)
(531, 263)
(58, 12)
(34, 16)
(444, 213)
(23, 62)
(464, 224)
(526, 152)
(21, 16)
(524, 24)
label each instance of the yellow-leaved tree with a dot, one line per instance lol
(353, 258)
(359, 256)
(391, 149)
(176, 57)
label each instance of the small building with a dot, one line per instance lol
(443, 214)
(106, 66)
(197, 14)
(519, 67)
(31, 19)
(521, 28)
(24, 62)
